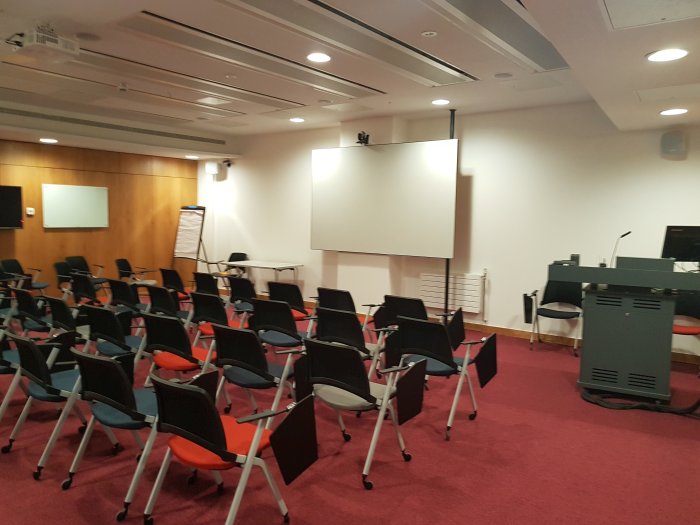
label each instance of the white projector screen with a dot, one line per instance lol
(393, 199)
(67, 206)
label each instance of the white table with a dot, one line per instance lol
(277, 267)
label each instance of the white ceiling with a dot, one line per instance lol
(167, 77)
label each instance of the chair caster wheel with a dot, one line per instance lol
(367, 483)
(121, 515)
(147, 520)
(37, 473)
(220, 488)
(227, 409)
(192, 478)
(117, 448)
(472, 416)
(347, 437)
(358, 414)
(285, 518)
(67, 482)
(81, 429)
(406, 456)
(7, 448)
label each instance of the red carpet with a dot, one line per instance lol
(536, 454)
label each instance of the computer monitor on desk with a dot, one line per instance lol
(682, 243)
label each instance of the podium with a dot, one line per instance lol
(627, 324)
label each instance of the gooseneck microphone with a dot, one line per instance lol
(617, 242)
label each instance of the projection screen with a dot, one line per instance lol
(393, 199)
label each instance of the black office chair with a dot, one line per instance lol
(13, 266)
(560, 300)
(435, 343)
(336, 299)
(79, 265)
(204, 439)
(172, 281)
(133, 275)
(339, 326)
(687, 314)
(63, 278)
(396, 306)
(83, 289)
(339, 380)
(111, 334)
(275, 325)
(239, 353)
(241, 294)
(32, 317)
(164, 301)
(207, 310)
(290, 294)
(107, 384)
(44, 385)
(206, 283)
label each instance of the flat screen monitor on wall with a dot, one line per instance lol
(11, 207)
(393, 199)
(682, 243)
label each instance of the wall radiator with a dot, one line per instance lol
(467, 291)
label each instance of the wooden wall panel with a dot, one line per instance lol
(145, 195)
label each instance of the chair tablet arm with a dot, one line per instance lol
(372, 305)
(384, 330)
(532, 294)
(393, 369)
(34, 269)
(475, 342)
(270, 413)
(292, 351)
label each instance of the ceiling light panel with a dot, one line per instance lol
(176, 34)
(323, 22)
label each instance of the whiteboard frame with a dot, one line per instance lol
(390, 199)
(69, 206)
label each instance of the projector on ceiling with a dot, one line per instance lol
(42, 44)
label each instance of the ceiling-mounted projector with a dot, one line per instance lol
(41, 44)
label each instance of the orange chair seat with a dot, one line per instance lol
(174, 362)
(208, 330)
(238, 439)
(298, 316)
(686, 330)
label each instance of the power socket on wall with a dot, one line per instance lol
(30, 212)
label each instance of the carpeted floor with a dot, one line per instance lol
(536, 454)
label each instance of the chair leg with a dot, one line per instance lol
(535, 328)
(373, 442)
(397, 430)
(10, 392)
(143, 459)
(251, 398)
(79, 454)
(341, 423)
(67, 409)
(274, 489)
(18, 425)
(147, 519)
(280, 389)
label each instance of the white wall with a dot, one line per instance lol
(535, 185)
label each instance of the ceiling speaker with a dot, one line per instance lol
(673, 145)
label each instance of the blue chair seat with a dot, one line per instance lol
(9, 357)
(145, 404)
(279, 339)
(243, 307)
(110, 349)
(435, 367)
(247, 379)
(33, 326)
(557, 314)
(61, 380)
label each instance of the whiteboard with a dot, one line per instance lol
(66, 206)
(189, 232)
(394, 199)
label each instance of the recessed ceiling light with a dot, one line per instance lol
(503, 75)
(192, 157)
(673, 111)
(318, 57)
(440, 102)
(296, 119)
(666, 55)
(429, 34)
(47, 140)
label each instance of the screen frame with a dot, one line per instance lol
(17, 208)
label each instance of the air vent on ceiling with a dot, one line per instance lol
(624, 14)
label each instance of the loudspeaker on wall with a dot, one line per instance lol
(673, 145)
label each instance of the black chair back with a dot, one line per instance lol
(419, 337)
(241, 288)
(172, 280)
(208, 308)
(109, 381)
(27, 305)
(688, 304)
(83, 289)
(288, 293)
(339, 366)
(336, 299)
(397, 306)
(167, 334)
(206, 283)
(240, 348)
(123, 294)
(105, 325)
(61, 316)
(63, 273)
(341, 327)
(124, 268)
(188, 411)
(271, 315)
(562, 292)
(455, 329)
(33, 363)
(162, 301)
(78, 263)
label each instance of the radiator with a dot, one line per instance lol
(466, 291)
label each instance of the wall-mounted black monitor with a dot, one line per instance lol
(11, 207)
(682, 243)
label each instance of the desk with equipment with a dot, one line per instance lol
(628, 319)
